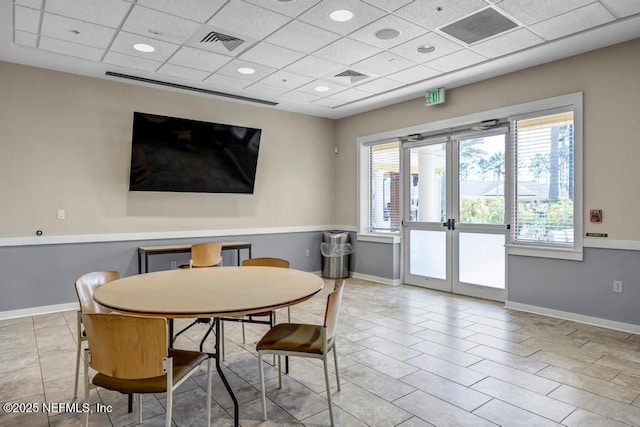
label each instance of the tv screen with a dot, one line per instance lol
(181, 155)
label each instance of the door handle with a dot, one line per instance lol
(450, 224)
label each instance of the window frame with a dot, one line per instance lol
(572, 101)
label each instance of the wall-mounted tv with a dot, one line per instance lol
(181, 155)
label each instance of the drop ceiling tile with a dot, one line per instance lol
(380, 85)
(443, 47)
(109, 13)
(286, 80)
(508, 43)
(407, 30)
(313, 67)
(159, 25)
(350, 95)
(183, 72)
(228, 82)
(328, 102)
(34, 4)
(122, 60)
(231, 70)
(248, 19)
(578, 20)
(529, 12)
(622, 8)
(266, 90)
(414, 74)
(289, 8)
(383, 63)
(302, 37)
(79, 32)
(196, 10)
(25, 39)
(299, 96)
(71, 49)
(362, 15)
(124, 44)
(425, 13)
(271, 55)
(388, 5)
(26, 19)
(198, 59)
(456, 60)
(333, 88)
(347, 51)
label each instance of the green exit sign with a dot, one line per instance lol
(434, 97)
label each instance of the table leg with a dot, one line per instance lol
(236, 415)
(170, 321)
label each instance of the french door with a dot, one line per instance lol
(455, 220)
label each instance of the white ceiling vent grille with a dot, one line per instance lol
(220, 40)
(353, 76)
(229, 42)
(479, 26)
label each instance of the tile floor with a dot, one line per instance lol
(408, 357)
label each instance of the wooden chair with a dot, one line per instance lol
(130, 354)
(303, 340)
(203, 255)
(85, 286)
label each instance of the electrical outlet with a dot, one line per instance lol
(307, 253)
(174, 265)
(617, 286)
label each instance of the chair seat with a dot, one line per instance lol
(183, 362)
(295, 337)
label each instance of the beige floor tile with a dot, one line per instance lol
(581, 418)
(601, 387)
(515, 377)
(590, 369)
(395, 336)
(415, 422)
(508, 325)
(385, 364)
(451, 371)
(439, 412)
(523, 350)
(447, 353)
(376, 382)
(597, 404)
(389, 348)
(446, 335)
(507, 415)
(20, 383)
(447, 390)
(508, 359)
(503, 334)
(524, 399)
(443, 321)
(368, 407)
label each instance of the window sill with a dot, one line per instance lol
(379, 238)
(568, 254)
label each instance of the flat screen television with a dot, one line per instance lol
(182, 155)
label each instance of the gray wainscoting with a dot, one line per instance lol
(581, 287)
(43, 275)
(380, 260)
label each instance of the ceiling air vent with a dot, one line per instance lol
(479, 26)
(353, 76)
(229, 42)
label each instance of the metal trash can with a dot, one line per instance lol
(335, 249)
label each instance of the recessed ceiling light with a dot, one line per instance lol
(425, 48)
(321, 89)
(246, 70)
(387, 33)
(143, 47)
(341, 15)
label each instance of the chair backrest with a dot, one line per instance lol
(206, 254)
(87, 284)
(266, 262)
(333, 307)
(126, 346)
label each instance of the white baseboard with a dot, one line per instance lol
(383, 280)
(589, 320)
(35, 311)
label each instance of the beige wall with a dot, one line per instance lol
(66, 140)
(610, 81)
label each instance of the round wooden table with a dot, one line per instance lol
(210, 292)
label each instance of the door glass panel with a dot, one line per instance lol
(482, 259)
(427, 183)
(428, 253)
(482, 180)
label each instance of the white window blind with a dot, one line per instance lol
(384, 187)
(543, 211)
